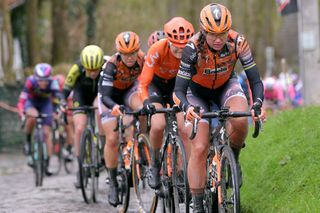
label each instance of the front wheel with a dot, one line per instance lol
(228, 189)
(179, 178)
(140, 172)
(86, 168)
(123, 189)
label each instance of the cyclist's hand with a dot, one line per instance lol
(149, 109)
(63, 105)
(257, 112)
(191, 115)
(21, 115)
(116, 110)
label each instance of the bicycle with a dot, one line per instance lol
(174, 190)
(89, 160)
(60, 154)
(222, 191)
(139, 151)
(39, 149)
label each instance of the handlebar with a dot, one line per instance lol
(223, 114)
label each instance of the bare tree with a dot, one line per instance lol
(32, 33)
(6, 42)
(60, 50)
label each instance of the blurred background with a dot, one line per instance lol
(283, 35)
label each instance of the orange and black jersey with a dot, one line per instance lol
(117, 76)
(160, 68)
(211, 69)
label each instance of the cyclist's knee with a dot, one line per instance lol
(199, 150)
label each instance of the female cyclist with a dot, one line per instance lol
(117, 87)
(207, 67)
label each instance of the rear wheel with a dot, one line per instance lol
(140, 172)
(228, 189)
(56, 157)
(179, 178)
(85, 166)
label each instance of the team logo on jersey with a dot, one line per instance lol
(153, 59)
(208, 71)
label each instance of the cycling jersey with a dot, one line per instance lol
(160, 69)
(33, 96)
(211, 69)
(117, 78)
(84, 88)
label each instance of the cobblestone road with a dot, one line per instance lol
(19, 194)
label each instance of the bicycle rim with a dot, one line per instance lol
(140, 171)
(179, 178)
(228, 190)
(85, 166)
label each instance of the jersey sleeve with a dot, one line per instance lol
(24, 94)
(71, 80)
(244, 53)
(186, 70)
(106, 85)
(151, 65)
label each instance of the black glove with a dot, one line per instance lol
(149, 109)
(63, 104)
(257, 108)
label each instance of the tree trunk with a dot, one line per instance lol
(91, 9)
(33, 43)
(60, 48)
(6, 41)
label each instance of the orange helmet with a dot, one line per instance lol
(178, 31)
(215, 18)
(127, 42)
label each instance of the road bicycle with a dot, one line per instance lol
(222, 191)
(90, 158)
(174, 190)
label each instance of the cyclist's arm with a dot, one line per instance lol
(184, 76)
(71, 80)
(24, 95)
(106, 85)
(151, 65)
(251, 69)
(56, 94)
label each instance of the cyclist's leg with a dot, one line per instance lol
(69, 128)
(28, 128)
(198, 155)
(158, 124)
(237, 128)
(111, 153)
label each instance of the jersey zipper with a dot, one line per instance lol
(215, 67)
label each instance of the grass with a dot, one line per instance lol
(281, 168)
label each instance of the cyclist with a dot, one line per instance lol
(207, 67)
(36, 96)
(118, 86)
(83, 79)
(69, 126)
(155, 36)
(157, 82)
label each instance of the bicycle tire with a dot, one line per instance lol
(85, 167)
(96, 160)
(69, 165)
(228, 189)
(180, 183)
(124, 189)
(165, 192)
(140, 172)
(56, 157)
(38, 157)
